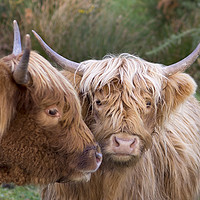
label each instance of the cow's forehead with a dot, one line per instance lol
(129, 71)
(123, 88)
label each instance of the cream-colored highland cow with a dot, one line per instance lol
(147, 122)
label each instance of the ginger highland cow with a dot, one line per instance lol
(43, 138)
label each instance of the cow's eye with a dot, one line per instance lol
(148, 104)
(53, 112)
(98, 102)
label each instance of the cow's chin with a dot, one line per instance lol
(85, 177)
(120, 160)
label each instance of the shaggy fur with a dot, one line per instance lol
(35, 146)
(129, 96)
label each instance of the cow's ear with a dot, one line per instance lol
(177, 89)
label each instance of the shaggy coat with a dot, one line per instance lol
(124, 96)
(43, 138)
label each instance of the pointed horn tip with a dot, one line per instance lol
(33, 32)
(36, 35)
(17, 39)
(198, 46)
(27, 41)
(14, 22)
(15, 26)
(27, 37)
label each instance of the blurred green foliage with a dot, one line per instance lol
(20, 193)
(162, 31)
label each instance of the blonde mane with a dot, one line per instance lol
(131, 71)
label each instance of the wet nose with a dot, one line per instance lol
(91, 159)
(98, 158)
(123, 145)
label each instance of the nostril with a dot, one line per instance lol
(98, 157)
(116, 142)
(124, 144)
(132, 145)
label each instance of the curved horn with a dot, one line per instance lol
(183, 64)
(17, 48)
(20, 74)
(60, 60)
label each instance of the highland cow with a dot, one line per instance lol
(43, 136)
(147, 122)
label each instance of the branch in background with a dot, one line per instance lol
(171, 41)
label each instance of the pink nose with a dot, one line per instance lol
(124, 145)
